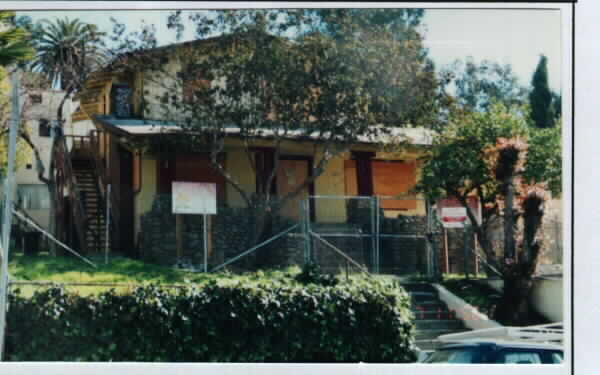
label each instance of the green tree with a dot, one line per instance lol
(401, 22)
(540, 98)
(460, 166)
(557, 105)
(23, 151)
(276, 72)
(477, 86)
(14, 44)
(412, 94)
(66, 52)
(14, 48)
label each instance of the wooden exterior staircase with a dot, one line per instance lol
(93, 204)
(81, 194)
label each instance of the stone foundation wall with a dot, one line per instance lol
(232, 232)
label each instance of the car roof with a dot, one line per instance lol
(501, 343)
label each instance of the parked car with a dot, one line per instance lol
(541, 344)
(495, 352)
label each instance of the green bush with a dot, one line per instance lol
(311, 274)
(361, 320)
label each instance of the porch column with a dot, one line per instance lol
(364, 172)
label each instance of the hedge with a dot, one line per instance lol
(367, 320)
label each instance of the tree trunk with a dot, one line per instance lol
(514, 307)
(52, 227)
(509, 219)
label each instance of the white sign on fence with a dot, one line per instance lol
(454, 217)
(194, 198)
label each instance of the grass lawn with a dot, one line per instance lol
(123, 274)
(126, 272)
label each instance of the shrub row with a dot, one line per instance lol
(366, 320)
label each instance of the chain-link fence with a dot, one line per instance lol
(338, 233)
(385, 235)
(552, 232)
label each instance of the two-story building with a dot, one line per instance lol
(118, 106)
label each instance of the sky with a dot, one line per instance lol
(509, 36)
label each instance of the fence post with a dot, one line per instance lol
(107, 236)
(427, 244)
(466, 251)
(306, 229)
(431, 247)
(377, 234)
(9, 186)
(373, 239)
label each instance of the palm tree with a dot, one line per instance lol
(14, 46)
(67, 51)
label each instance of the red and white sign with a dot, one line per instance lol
(454, 217)
(453, 214)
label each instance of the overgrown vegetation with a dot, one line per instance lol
(481, 296)
(484, 298)
(362, 319)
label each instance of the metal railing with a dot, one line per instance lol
(63, 160)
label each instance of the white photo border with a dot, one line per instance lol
(587, 299)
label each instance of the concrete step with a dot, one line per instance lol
(428, 315)
(423, 296)
(434, 324)
(418, 287)
(429, 305)
(432, 316)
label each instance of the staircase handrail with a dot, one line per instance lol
(77, 208)
(104, 179)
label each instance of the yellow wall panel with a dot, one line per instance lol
(145, 198)
(239, 167)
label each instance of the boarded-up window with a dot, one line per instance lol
(391, 178)
(197, 168)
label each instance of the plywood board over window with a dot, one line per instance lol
(197, 168)
(393, 178)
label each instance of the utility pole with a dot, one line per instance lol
(8, 203)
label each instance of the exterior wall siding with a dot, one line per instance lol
(331, 182)
(144, 199)
(240, 169)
